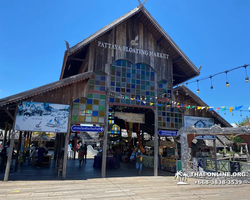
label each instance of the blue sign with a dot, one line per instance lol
(86, 128)
(167, 133)
(205, 137)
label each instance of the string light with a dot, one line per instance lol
(247, 78)
(227, 83)
(213, 75)
(198, 86)
(211, 83)
(186, 92)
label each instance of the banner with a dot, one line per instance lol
(198, 122)
(42, 117)
(131, 117)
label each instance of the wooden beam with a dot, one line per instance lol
(8, 112)
(179, 75)
(7, 169)
(79, 59)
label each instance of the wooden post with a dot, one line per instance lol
(7, 170)
(215, 155)
(105, 136)
(156, 146)
(18, 149)
(66, 144)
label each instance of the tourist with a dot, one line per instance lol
(70, 152)
(118, 153)
(139, 157)
(80, 153)
(40, 155)
(85, 149)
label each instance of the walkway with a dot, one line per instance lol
(74, 172)
(120, 188)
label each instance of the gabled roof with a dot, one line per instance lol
(45, 88)
(183, 88)
(183, 67)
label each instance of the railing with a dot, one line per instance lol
(208, 164)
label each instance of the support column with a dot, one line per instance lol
(75, 144)
(215, 155)
(7, 170)
(66, 144)
(105, 136)
(156, 145)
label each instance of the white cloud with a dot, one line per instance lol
(233, 124)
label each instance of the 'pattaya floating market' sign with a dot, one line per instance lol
(131, 117)
(132, 50)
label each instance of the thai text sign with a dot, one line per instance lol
(86, 129)
(131, 117)
(205, 137)
(42, 117)
(167, 133)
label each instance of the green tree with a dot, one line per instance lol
(243, 122)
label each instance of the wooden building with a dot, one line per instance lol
(132, 64)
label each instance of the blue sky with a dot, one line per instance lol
(214, 34)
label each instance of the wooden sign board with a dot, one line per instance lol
(131, 117)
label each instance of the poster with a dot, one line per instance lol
(42, 117)
(198, 122)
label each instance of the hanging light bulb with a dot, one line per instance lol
(232, 114)
(240, 114)
(198, 86)
(224, 113)
(186, 92)
(177, 93)
(247, 78)
(212, 87)
(227, 82)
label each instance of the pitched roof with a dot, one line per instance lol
(202, 103)
(44, 88)
(184, 67)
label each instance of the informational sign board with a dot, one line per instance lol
(42, 117)
(167, 133)
(198, 122)
(235, 167)
(205, 137)
(86, 129)
(131, 117)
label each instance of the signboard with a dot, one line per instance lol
(167, 133)
(42, 117)
(198, 122)
(131, 117)
(87, 128)
(235, 167)
(205, 137)
(133, 50)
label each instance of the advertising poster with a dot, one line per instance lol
(198, 122)
(42, 117)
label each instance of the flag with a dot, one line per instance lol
(203, 108)
(151, 104)
(238, 107)
(210, 109)
(230, 109)
(223, 108)
(193, 106)
(199, 108)
(217, 108)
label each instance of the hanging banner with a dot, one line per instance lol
(198, 122)
(131, 117)
(42, 117)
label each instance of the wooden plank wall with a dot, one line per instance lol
(99, 57)
(63, 95)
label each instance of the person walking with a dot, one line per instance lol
(80, 154)
(139, 157)
(40, 156)
(85, 149)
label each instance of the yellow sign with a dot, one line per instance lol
(160, 150)
(131, 117)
